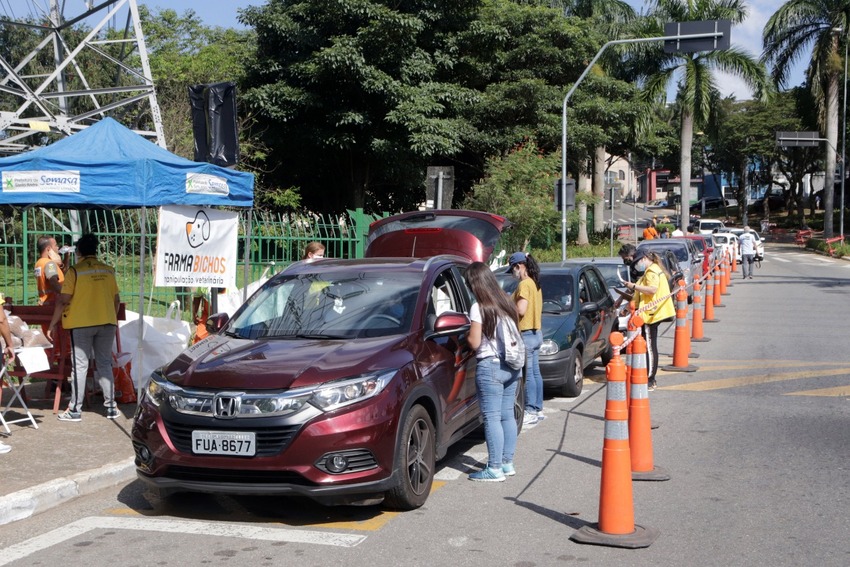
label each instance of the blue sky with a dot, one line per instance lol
(746, 36)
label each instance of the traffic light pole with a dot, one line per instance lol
(696, 36)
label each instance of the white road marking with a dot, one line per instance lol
(243, 531)
(458, 466)
(778, 259)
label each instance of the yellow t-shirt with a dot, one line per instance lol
(654, 277)
(93, 287)
(533, 317)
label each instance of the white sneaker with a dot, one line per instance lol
(529, 418)
(540, 416)
(4, 448)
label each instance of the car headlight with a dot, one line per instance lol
(549, 347)
(159, 389)
(338, 394)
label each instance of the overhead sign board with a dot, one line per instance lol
(711, 35)
(798, 139)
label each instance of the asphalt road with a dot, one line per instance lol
(756, 443)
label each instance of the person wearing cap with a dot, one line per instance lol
(747, 250)
(528, 298)
(88, 307)
(650, 287)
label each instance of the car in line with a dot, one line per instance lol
(578, 318)
(688, 258)
(343, 381)
(705, 247)
(615, 272)
(725, 243)
(707, 226)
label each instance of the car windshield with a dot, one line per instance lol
(710, 225)
(335, 305)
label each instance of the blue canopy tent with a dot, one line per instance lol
(109, 166)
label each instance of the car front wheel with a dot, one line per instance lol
(415, 462)
(575, 376)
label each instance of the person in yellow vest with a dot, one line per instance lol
(88, 307)
(650, 287)
(49, 275)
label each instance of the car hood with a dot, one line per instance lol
(557, 327)
(232, 363)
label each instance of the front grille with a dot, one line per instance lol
(235, 476)
(270, 440)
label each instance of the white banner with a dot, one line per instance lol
(41, 181)
(196, 247)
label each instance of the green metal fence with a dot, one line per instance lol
(274, 240)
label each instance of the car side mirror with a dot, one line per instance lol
(449, 323)
(589, 307)
(216, 321)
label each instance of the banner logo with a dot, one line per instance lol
(198, 231)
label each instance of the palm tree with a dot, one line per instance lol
(789, 32)
(693, 71)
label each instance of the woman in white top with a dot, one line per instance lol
(495, 381)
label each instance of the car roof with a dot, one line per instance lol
(596, 260)
(331, 265)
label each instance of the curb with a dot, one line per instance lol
(30, 501)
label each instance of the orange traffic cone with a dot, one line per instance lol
(696, 316)
(718, 277)
(724, 274)
(709, 300)
(681, 339)
(640, 424)
(616, 527)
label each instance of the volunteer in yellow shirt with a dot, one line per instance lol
(650, 287)
(88, 307)
(528, 298)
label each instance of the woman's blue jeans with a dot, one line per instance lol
(533, 379)
(496, 383)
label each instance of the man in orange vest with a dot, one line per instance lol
(650, 233)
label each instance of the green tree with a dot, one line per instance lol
(519, 186)
(694, 89)
(823, 25)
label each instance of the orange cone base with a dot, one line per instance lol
(641, 537)
(671, 368)
(700, 340)
(656, 474)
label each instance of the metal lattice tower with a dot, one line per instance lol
(81, 67)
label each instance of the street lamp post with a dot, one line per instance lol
(685, 42)
(843, 144)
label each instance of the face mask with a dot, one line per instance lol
(640, 267)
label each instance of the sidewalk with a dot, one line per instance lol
(60, 460)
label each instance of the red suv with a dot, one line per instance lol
(340, 380)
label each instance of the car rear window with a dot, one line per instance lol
(681, 252)
(481, 229)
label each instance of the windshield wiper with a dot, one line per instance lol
(319, 336)
(233, 334)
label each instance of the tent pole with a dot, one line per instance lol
(247, 254)
(137, 369)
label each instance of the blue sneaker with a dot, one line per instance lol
(69, 415)
(488, 475)
(508, 469)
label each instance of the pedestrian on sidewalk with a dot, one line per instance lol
(747, 250)
(528, 298)
(650, 288)
(88, 307)
(495, 381)
(8, 355)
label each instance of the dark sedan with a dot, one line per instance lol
(578, 317)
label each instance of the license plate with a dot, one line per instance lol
(242, 444)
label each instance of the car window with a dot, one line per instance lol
(598, 291)
(445, 295)
(329, 305)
